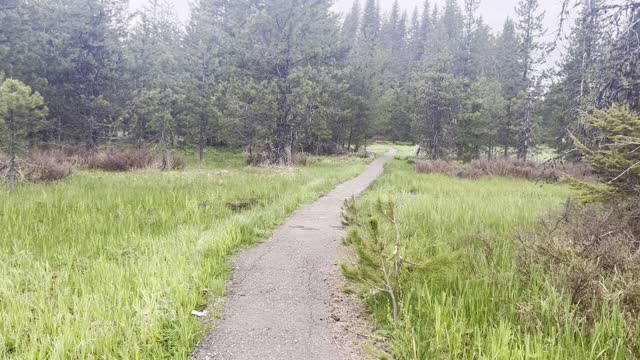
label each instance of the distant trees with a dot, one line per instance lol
(281, 76)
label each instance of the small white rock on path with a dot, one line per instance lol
(284, 301)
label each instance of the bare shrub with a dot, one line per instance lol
(177, 163)
(591, 252)
(170, 162)
(120, 159)
(302, 159)
(4, 163)
(47, 165)
(328, 148)
(510, 168)
(41, 165)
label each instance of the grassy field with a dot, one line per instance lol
(406, 150)
(110, 265)
(381, 147)
(479, 306)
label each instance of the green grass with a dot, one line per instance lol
(404, 150)
(110, 265)
(479, 307)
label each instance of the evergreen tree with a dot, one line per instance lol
(438, 105)
(351, 25)
(205, 44)
(297, 39)
(484, 110)
(22, 114)
(531, 30)
(508, 74)
(370, 26)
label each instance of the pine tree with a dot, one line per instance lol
(509, 76)
(531, 30)
(296, 42)
(153, 67)
(22, 113)
(439, 101)
(616, 158)
(390, 27)
(471, 24)
(370, 25)
(478, 127)
(206, 42)
(426, 28)
(414, 38)
(351, 25)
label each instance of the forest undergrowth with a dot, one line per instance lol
(462, 285)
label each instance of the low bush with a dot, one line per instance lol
(508, 168)
(591, 253)
(120, 159)
(302, 159)
(4, 163)
(47, 166)
(40, 166)
(176, 163)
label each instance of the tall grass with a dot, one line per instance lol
(110, 265)
(480, 307)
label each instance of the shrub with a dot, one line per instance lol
(120, 159)
(47, 166)
(591, 252)
(4, 163)
(177, 163)
(170, 162)
(302, 159)
(510, 168)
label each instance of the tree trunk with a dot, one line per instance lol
(13, 151)
(201, 136)
(12, 173)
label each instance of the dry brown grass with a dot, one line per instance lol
(509, 168)
(4, 163)
(120, 159)
(302, 159)
(47, 166)
(53, 163)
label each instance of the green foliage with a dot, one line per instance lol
(22, 115)
(439, 101)
(113, 264)
(480, 306)
(377, 242)
(616, 134)
(484, 112)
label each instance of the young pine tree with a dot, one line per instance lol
(22, 113)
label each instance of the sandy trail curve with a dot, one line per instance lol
(281, 302)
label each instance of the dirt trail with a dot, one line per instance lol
(283, 302)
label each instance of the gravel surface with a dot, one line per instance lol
(284, 301)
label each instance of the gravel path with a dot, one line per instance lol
(284, 301)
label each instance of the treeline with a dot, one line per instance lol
(281, 76)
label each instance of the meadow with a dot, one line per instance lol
(480, 304)
(110, 265)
